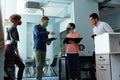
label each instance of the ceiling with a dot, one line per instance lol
(109, 7)
(55, 8)
(61, 8)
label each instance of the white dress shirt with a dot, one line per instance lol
(102, 27)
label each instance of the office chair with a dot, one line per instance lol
(28, 65)
(51, 66)
(34, 67)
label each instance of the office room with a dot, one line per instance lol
(92, 53)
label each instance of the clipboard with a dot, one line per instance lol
(93, 36)
(76, 40)
(51, 39)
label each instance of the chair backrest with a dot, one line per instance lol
(34, 62)
(28, 62)
(54, 61)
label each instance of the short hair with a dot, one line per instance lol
(72, 24)
(15, 17)
(45, 18)
(94, 16)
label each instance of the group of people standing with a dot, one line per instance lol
(40, 34)
(72, 49)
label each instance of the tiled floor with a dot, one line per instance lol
(44, 78)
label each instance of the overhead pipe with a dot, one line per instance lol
(101, 4)
(43, 11)
(104, 2)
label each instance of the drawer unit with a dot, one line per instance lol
(103, 72)
(103, 59)
(108, 67)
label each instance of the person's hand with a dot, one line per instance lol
(93, 36)
(52, 33)
(48, 42)
(81, 47)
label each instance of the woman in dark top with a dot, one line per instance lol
(11, 49)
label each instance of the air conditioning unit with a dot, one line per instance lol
(31, 4)
(33, 7)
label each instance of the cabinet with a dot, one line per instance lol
(86, 67)
(107, 43)
(103, 72)
(107, 56)
(108, 67)
(63, 69)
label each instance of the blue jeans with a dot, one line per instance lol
(72, 63)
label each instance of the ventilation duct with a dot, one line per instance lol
(31, 6)
(100, 1)
(103, 1)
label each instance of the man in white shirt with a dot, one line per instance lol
(99, 26)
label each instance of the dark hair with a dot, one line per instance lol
(45, 18)
(72, 24)
(15, 17)
(94, 16)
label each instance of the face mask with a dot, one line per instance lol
(19, 22)
(45, 24)
(93, 23)
(68, 29)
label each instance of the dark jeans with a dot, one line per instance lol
(11, 58)
(72, 63)
(20, 65)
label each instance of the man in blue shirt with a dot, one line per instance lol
(40, 40)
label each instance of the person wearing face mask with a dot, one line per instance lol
(72, 50)
(100, 27)
(40, 34)
(12, 55)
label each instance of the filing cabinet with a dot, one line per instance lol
(108, 67)
(107, 51)
(102, 59)
(103, 72)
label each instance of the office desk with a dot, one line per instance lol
(86, 64)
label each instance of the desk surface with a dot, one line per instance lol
(84, 58)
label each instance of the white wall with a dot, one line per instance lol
(66, 21)
(113, 20)
(64, 24)
(23, 33)
(82, 10)
(10, 8)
